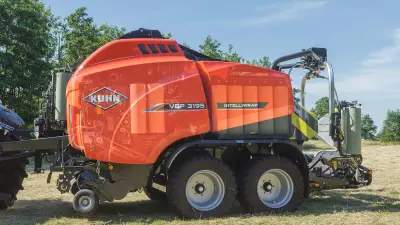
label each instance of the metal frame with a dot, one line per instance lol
(320, 61)
(332, 89)
(49, 143)
(309, 52)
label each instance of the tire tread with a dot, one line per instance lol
(246, 176)
(174, 180)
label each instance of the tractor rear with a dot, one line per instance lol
(144, 112)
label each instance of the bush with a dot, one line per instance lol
(391, 127)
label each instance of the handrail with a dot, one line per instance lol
(331, 78)
(308, 52)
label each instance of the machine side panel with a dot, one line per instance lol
(247, 101)
(132, 109)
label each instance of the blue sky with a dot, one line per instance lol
(362, 36)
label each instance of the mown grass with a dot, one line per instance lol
(379, 143)
(379, 203)
(319, 145)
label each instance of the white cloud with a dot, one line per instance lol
(266, 7)
(386, 55)
(282, 12)
(383, 81)
(376, 83)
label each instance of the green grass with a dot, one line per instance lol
(379, 203)
(319, 145)
(376, 143)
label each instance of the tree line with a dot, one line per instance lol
(33, 42)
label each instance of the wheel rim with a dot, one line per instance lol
(275, 188)
(85, 202)
(205, 190)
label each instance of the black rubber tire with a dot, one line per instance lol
(180, 174)
(12, 175)
(94, 202)
(3, 205)
(249, 176)
(155, 194)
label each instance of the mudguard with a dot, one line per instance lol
(9, 119)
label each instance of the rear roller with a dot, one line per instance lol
(201, 187)
(270, 184)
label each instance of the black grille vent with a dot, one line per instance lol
(143, 49)
(153, 48)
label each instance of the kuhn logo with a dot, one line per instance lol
(105, 98)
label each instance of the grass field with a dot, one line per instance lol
(41, 203)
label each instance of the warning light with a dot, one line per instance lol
(370, 172)
(110, 167)
(317, 185)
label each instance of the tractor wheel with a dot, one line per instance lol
(12, 174)
(270, 184)
(154, 194)
(85, 202)
(201, 187)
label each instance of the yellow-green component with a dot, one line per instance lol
(302, 126)
(334, 164)
(60, 80)
(351, 129)
(306, 122)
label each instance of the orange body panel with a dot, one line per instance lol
(133, 98)
(126, 132)
(239, 83)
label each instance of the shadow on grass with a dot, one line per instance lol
(336, 201)
(146, 211)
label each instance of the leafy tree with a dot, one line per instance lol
(263, 62)
(211, 48)
(80, 37)
(232, 56)
(167, 36)
(391, 127)
(321, 107)
(368, 128)
(27, 45)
